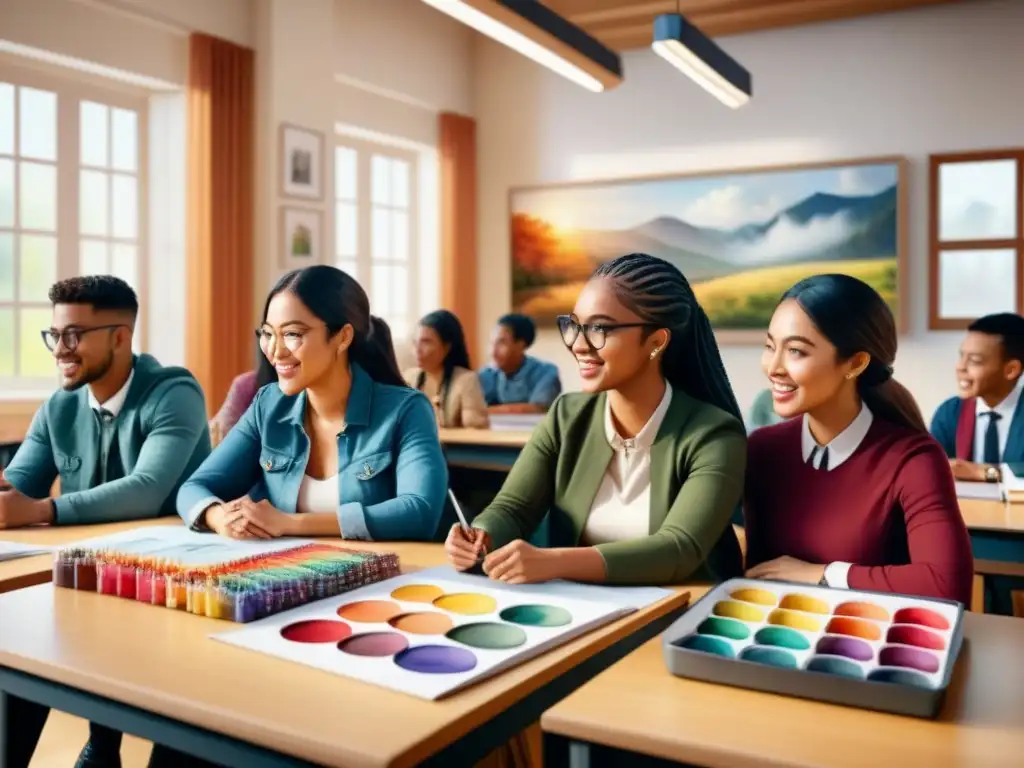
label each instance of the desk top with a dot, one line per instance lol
(637, 705)
(162, 661)
(990, 515)
(500, 438)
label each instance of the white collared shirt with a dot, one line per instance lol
(839, 449)
(1005, 409)
(114, 405)
(622, 506)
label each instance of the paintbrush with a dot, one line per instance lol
(466, 530)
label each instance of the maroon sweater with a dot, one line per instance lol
(890, 509)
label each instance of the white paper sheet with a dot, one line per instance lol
(967, 490)
(12, 550)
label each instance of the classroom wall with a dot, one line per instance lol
(935, 80)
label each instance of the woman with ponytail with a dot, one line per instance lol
(640, 472)
(443, 372)
(339, 445)
(854, 494)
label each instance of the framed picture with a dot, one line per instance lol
(741, 238)
(301, 237)
(302, 163)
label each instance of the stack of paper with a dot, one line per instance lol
(11, 550)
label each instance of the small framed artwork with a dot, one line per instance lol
(301, 237)
(302, 162)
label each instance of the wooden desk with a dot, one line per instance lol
(483, 448)
(29, 571)
(984, 515)
(638, 706)
(154, 673)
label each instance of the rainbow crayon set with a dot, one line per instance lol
(241, 590)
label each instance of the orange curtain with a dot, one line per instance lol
(458, 223)
(221, 87)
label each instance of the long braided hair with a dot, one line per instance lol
(658, 294)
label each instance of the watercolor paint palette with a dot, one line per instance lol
(428, 633)
(865, 649)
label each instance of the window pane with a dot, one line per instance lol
(6, 119)
(37, 192)
(400, 236)
(38, 262)
(350, 266)
(381, 179)
(345, 230)
(978, 201)
(7, 349)
(93, 135)
(345, 175)
(6, 270)
(92, 258)
(400, 182)
(126, 206)
(6, 193)
(390, 290)
(124, 264)
(37, 124)
(125, 144)
(92, 203)
(381, 245)
(976, 283)
(35, 358)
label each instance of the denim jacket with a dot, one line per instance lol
(392, 476)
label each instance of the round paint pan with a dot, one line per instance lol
(370, 611)
(417, 593)
(537, 615)
(467, 603)
(374, 644)
(488, 636)
(436, 659)
(316, 631)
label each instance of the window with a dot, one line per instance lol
(375, 225)
(70, 203)
(976, 260)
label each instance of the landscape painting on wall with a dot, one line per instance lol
(741, 239)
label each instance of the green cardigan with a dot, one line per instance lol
(697, 464)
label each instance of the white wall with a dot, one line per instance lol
(936, 80)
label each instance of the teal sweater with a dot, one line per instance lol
(162, 437)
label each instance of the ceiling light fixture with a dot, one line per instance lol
(539, 33)
(695, 54)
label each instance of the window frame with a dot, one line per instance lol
(71, 91)
(365, 151)
(937, 322)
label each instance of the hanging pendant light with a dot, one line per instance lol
(696, 55)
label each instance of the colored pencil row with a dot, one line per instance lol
(242, 591)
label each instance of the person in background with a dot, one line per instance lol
(516, 382)
(640, 472)
(983, 426)
(855, 494)
(240, 396)
(762, 411)
(122, 434)
(443, 372)
(341, 439)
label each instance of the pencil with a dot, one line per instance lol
(458, 511)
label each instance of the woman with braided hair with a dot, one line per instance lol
(641, 471)
(855, 493)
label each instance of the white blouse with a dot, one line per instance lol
(318, 495)
(622, 507)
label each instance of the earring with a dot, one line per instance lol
(849, 375)
(654, 354)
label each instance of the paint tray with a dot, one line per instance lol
(873, 650)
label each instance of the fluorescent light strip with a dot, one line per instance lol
(681, 57)
(517, 41)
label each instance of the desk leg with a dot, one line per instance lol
(579, 754)
(21, 725)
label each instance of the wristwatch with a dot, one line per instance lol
(991, 474)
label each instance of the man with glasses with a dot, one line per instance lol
(123, 433)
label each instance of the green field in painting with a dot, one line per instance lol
(745, 300)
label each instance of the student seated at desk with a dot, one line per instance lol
(856, 493)
(443, 372)
(516, 382)
(983, 425)
(122, 434)
(641, 472)
(340, 437)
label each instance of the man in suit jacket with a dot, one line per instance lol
(984, 425)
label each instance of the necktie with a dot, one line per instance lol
(824, 458)
(990, 455)
(106, 438)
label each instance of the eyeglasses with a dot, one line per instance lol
(70, 337)
(596, 334)
(269, 340)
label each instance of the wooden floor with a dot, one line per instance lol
(64, 737)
